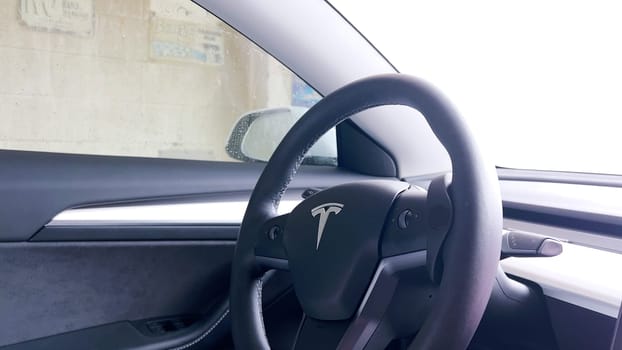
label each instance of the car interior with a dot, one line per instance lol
(205, 174)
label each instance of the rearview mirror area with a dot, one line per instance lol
(257, 134)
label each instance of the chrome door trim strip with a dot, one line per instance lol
(197, 213)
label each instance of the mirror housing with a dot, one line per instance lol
(256, 135)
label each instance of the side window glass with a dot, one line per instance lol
(144, 78)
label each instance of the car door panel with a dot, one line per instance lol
(122, 336)
(56, 287)
(71, 281)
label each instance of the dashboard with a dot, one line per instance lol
(578, 290)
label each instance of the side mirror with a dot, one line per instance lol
(257, 134)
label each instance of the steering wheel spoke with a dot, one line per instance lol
(381, 318)
(420, 220)
(269, 251)
(407, 228)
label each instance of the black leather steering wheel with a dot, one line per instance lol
(374, 261)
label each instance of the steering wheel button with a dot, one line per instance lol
(404, 218)
(274, 232)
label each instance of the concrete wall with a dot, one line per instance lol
(68, 87)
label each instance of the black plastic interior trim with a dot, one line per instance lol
(516, 306)
(119, 335)
(124, 335)
(359, 152)
(137, 233)
(577, 328)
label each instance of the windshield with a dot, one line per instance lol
(539, 82)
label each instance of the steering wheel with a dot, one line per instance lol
(378, 260)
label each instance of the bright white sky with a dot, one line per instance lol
(539, 81)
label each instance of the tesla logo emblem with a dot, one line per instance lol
(324, 211)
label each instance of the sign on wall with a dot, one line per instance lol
(68, 16)
(182, 31)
